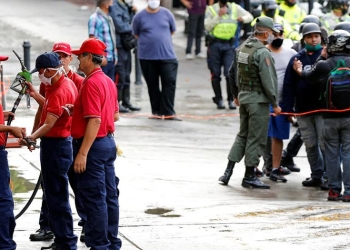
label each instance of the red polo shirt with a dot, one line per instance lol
(61, 93)
(2, 135)
(97, 99)
(76, 78)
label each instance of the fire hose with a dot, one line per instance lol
(19, 85)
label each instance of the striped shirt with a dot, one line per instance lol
(99, 27)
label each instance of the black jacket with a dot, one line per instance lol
(319, 74)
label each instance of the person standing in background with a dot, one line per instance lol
(101, 26)
(196, 11)
(122, 15)
(153, 27)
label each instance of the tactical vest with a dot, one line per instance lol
(248, 72)
(227, 27)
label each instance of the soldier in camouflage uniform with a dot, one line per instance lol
(257, 83)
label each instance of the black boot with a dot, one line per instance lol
(288, 162)
(122, 109)
(229, 90)
(126, 99)
(228, 172)
(251, 181)
(217, 91)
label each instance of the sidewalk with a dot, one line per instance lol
(170, 198)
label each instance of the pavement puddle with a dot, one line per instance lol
(162, 212)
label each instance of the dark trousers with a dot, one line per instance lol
(220, 55)
(195, 31)
(162, 100)
(109, 70)
(73, 181)
(98, 189)
(7, 218)
(44, 212)
(123, 69)
(56, 157)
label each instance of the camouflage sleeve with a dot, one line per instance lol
(267, 73)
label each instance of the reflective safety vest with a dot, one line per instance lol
(329, 21)
(294, 15)
(248, 72)
(227, 27)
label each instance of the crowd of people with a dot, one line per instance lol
(76, 114)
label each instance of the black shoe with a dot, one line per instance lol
(324, 186)
(253, 182)
(267, 170)
(81, 223)
(228, 172)
(131, 107)
(276, 175)
(312, 182)
(258, 173)
(41, 234)
(231, 105)
(289, 163)
(283, 171)
(219, 103)
(122, 109)
(82, 235)
(52, 246)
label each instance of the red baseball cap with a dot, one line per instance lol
(3, 58)
(93, 46)
(62, 47)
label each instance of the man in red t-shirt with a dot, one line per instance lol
(44, 232)
(7, 218)
(56, 155)
(95, 111)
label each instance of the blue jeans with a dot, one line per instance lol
(336, 133)
(311, 132)
(109, 70)
(98, 189)
(7, 218)
(195, 31)
(56, 157)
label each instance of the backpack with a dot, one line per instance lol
(337, 92)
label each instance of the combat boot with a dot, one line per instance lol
(126, 99)
(228, 172)
(122, 109)
(288, 162)
(251, 181)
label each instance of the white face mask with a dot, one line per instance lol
(46, 80)
(270, 38)
(153, 4)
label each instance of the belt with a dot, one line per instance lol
(96, 139)
(53, 138)
(222, 40)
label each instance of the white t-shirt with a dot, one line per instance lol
(281, 62)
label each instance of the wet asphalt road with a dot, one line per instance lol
(170, 198)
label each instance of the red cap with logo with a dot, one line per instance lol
(3, 58)
(62, 47)
(93, 46)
